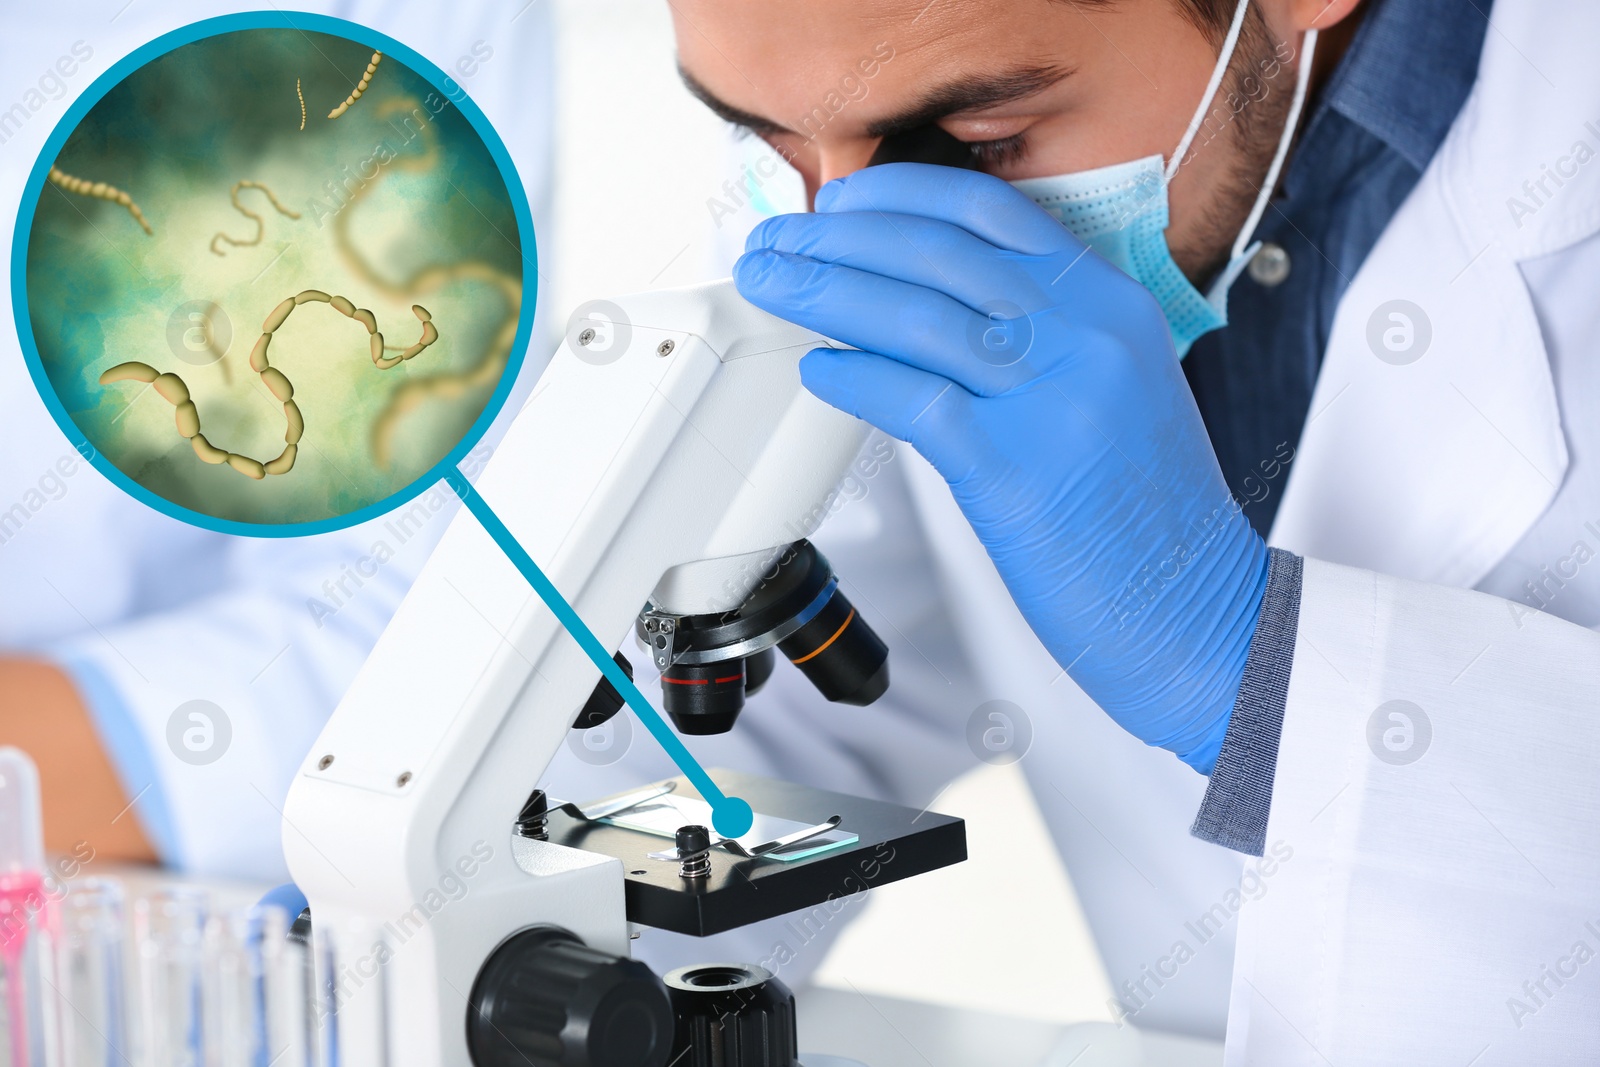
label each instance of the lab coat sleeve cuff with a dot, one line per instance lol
(1239, 797)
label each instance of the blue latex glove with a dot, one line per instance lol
(286, 896)
(1041, 382)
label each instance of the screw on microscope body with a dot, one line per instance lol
(586, 336)
(665, 348)
(660, 634)
(533, 819)
(694, 852)
(324, 763)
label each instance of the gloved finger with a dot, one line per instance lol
(935, 255)
(909, 323)
(925, 410)
(981, 204)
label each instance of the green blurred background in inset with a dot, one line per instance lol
(400, 202)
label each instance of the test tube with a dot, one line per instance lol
(22, 905)
(232, 1016)
(169, 941)
(90, 995)
(287, 990)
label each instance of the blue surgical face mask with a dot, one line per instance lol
(1120, 211)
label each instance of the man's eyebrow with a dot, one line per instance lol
(726, 111)
(968, 94)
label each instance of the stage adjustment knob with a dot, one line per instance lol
(545, 998)
(732, 1015)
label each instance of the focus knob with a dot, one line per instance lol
(545, 998)
(732, 1015)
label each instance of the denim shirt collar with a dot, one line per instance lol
(1407, 73)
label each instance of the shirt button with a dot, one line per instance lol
(1270, 265)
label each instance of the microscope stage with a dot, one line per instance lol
(894, 842)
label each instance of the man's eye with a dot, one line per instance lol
(994, 154)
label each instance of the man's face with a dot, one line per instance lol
(1041, 87)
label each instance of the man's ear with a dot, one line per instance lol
(1320, 14)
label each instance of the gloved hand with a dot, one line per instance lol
(1041, 382)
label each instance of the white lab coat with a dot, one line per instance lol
(1447, 909)
(147, 612)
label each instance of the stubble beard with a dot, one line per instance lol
(1250, 138)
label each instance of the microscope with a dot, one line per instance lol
(665, 475)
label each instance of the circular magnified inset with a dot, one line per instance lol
(274, 275)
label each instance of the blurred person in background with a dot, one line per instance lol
(115, 617)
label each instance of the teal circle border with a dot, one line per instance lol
(256, 20)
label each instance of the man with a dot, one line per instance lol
(1414, 758)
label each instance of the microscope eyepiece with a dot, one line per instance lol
(710, 663)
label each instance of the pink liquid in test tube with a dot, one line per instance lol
(21, 885)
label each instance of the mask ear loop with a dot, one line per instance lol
(1302, 81)
(1223, 59)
